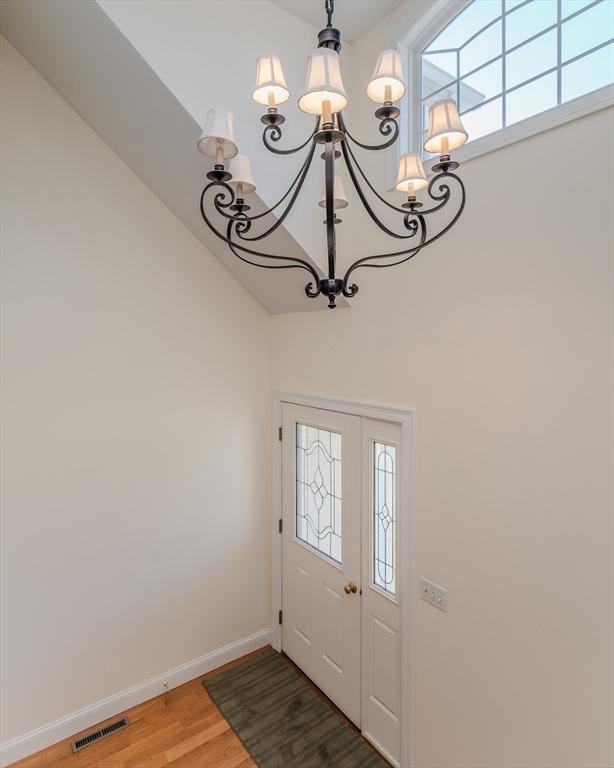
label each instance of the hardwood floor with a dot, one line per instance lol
(182, 729)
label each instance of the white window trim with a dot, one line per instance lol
(412, 43)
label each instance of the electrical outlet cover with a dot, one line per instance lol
(434, 594)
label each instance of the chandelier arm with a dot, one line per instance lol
(387, 126)
(220, 207)
(235, 246)
(410, 224)
(275, 134)
(350, 291)
(412, 251)
(444, 191)
(301, 180)
(296, 262)
(445, 229)
(458, 213)
(371, 187)
(423, 242)
(392, 263)
(312, 289)
(443, 197)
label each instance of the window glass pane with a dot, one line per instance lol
(587, 29)
(484, 120)
(529, 20)
(531, 59)
(318, 489)
(588, 73)
(571, 6)
(531, 85)
(483, 84)
(531, 99)
(384, 517)
(438, 70)
(469, 21)
(486, 46)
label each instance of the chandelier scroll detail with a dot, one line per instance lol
(324, 97)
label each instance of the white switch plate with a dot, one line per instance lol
(433, 594)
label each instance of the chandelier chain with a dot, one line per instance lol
(329, 6)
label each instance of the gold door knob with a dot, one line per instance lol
(351, 588)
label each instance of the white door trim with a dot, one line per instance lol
(405, 418)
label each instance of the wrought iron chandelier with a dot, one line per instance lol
(325, 97)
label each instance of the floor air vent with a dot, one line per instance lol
(95, 736)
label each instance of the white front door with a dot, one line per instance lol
(321, 550)
(340, 563)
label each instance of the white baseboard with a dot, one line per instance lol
(32, 742)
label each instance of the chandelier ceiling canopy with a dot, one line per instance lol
(325, 97)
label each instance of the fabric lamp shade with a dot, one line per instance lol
(446, 130)
(411, 174)
(323, 83)
(218, 133)
(270, 82)
(241, 172)
(387, 83)
(339, 197)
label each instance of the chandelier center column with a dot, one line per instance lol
(329, 171)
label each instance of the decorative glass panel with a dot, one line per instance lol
(318, 489)
(384, 517)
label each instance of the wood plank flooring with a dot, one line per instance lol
(181, 729)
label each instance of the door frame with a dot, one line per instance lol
(405, 418)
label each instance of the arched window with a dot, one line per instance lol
(507, 61)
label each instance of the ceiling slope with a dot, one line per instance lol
(93, 66)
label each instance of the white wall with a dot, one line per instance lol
(501, 337)
(135, 409)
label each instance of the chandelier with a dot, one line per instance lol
(325, 97)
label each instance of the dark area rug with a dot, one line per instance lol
(282, 722)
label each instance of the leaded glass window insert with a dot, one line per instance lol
(384, 517)
(504, 61)
(318, 489)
